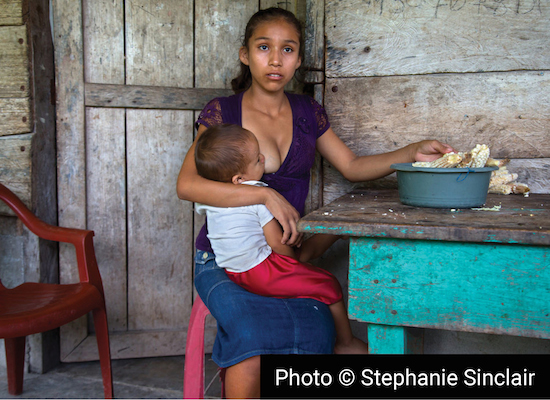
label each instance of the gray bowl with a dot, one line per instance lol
(442, 187)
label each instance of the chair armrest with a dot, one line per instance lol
(82, 239)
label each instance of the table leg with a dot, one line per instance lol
(386, 339)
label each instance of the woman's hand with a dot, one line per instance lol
(287, 216)
(430, 150)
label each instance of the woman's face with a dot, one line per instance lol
(272, 54)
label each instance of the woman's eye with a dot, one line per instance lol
(288, 49)
(262, 47)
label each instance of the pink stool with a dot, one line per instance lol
(193, 373)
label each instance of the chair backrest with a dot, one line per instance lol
(81, 239)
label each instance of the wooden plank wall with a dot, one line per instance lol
(146, 68)
(463, 72)
(16, 119)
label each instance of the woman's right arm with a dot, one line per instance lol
(193, 187)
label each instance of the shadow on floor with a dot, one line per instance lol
(144, 378)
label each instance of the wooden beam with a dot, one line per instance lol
(151, 97)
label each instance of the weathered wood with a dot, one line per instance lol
(104, 41)
(16, 116)
(106, 154)
(71, 157)
(219, 28)
(15, 168)
(14, 62)
(106, 205)
(399, 38)
(506, 111)
(314, 36)
(392, 340)
(379, 214)
(159, 224)
(159, 43)
(140, 345)
(150, 97)
(462, 286)
(13, 12)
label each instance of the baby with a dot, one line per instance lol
(247, 240)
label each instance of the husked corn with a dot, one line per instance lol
(491, 162)
(480, 155)
(508, 188)
(448, 160)
(502, 176)
(500, 189)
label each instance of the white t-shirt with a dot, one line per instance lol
(236, 234)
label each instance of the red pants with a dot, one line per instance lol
(284, 277)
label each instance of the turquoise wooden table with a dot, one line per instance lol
(476, 270)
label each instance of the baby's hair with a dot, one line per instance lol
(220, 152)
(244, 79)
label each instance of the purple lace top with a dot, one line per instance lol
(291, 180)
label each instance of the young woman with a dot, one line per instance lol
(289, 128)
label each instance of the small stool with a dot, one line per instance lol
(193, 373)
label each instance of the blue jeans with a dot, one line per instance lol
(250, 325)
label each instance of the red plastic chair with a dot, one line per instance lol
(193, 373)
(38, 307)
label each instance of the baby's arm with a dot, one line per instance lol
(310, 249)
(273, 234)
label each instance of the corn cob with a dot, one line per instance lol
(491, 162)
(502, 176)
(500, 189)
(466, 159)
(480, 155)
(448, 160)
(508, 188)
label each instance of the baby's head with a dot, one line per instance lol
(229, 153)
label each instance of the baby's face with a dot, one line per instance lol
(256, 164)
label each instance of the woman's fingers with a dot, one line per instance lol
(287, 216)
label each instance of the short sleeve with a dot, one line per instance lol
(211, 114)
(321, 118)
(264, 214)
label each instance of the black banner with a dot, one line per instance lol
(405, 376)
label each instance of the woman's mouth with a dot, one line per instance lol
(275, 76)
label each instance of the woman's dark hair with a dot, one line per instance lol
(220, 152)
(244, 79)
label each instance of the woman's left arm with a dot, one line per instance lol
(365, 168)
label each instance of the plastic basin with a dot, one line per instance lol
(442, 187)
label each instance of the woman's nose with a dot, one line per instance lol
(275, 59)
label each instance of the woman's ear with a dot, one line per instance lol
(299, 63)
(243, 55)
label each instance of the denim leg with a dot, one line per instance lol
(249, 324)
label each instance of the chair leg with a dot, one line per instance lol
(15, 362)
(102, 336)
(193, 375)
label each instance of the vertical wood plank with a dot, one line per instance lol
(71, 176)
(106, 153)
(219, 28)
(159, 42)
(159, 224)
(103, 41)
(106, 183)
